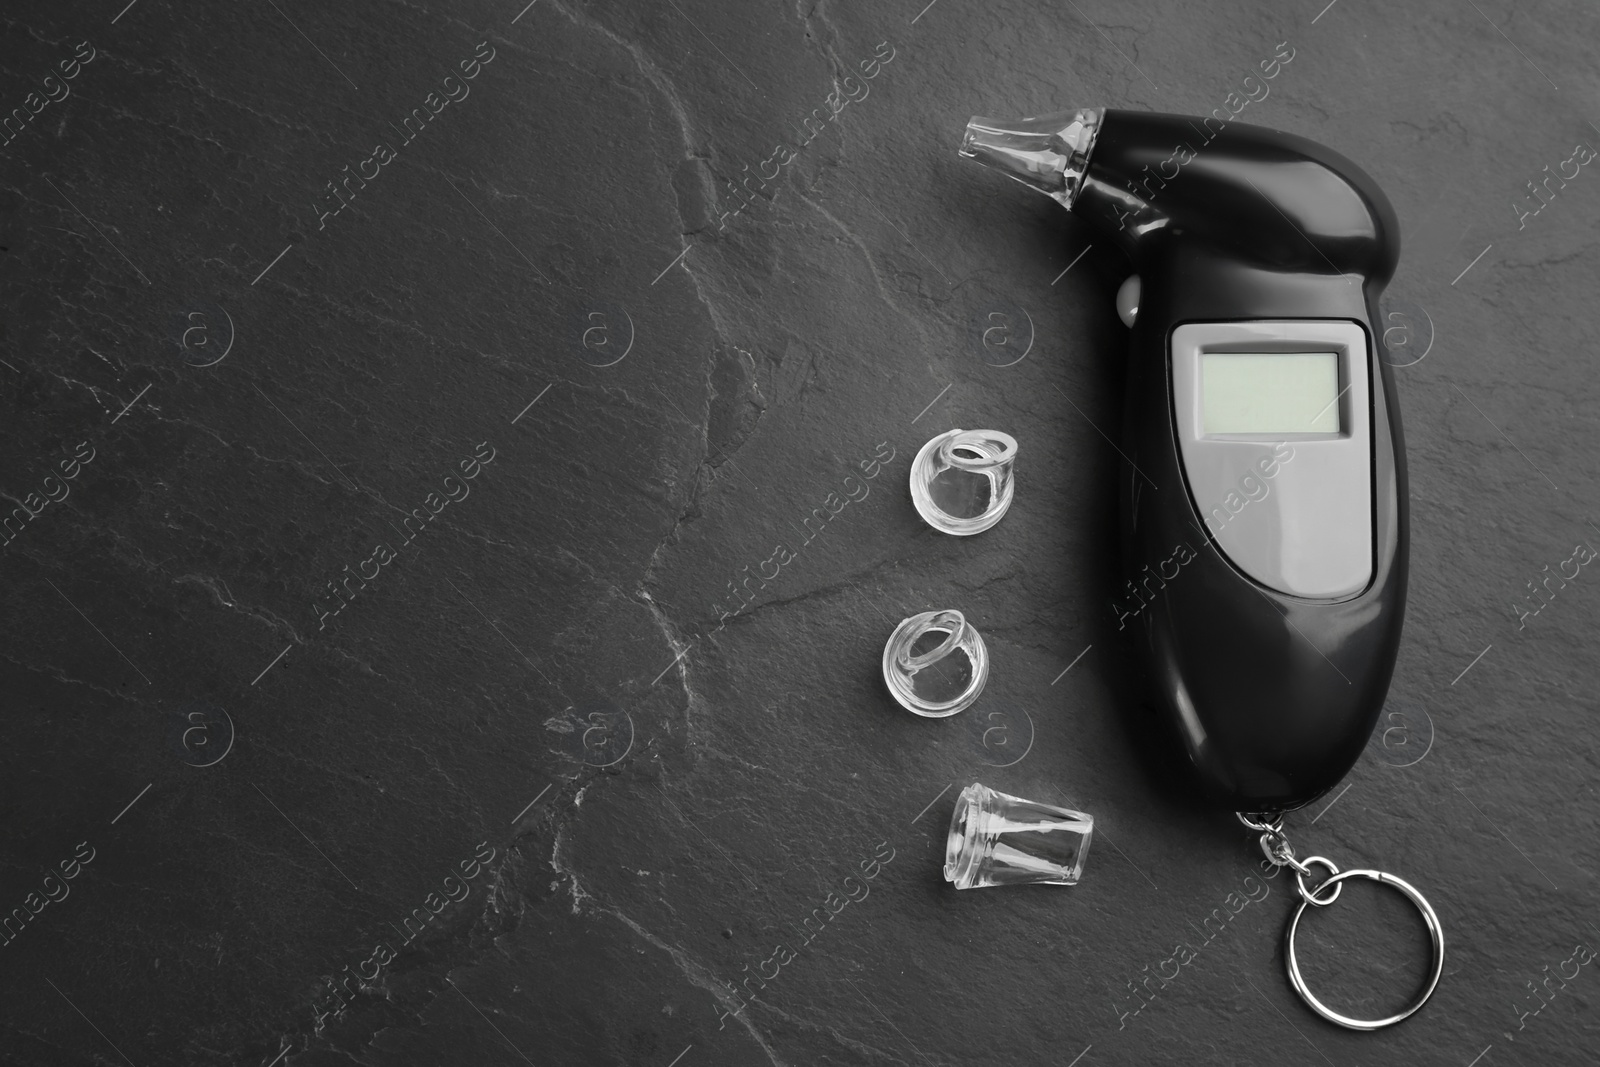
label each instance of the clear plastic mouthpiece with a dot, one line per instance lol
(1049, 153)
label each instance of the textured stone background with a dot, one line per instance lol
(537, 674)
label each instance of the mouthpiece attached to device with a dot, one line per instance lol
(1049, 153)
(1263, 497)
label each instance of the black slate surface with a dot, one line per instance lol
(535, 723)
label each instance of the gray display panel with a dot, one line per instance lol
(1275, 430)
(1270, 392)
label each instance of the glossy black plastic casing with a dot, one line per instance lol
(1273, 696)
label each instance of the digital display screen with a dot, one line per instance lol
(1269, 392)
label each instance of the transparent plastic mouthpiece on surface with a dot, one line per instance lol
(935, 664)
(1049, 153)
(961, 481)
(999, 839)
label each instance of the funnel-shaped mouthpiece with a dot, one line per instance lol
(1049, 153)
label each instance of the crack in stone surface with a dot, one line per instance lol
(61, 676)
(224, 596)
(695, 972)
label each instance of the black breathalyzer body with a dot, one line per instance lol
(1263, 490)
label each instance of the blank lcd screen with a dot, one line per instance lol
(1270, 392)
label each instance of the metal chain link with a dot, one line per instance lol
(1280, 853)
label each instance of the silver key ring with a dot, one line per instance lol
(1292, 961)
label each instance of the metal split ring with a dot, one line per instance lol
(1292, 961)
(1303, 868)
